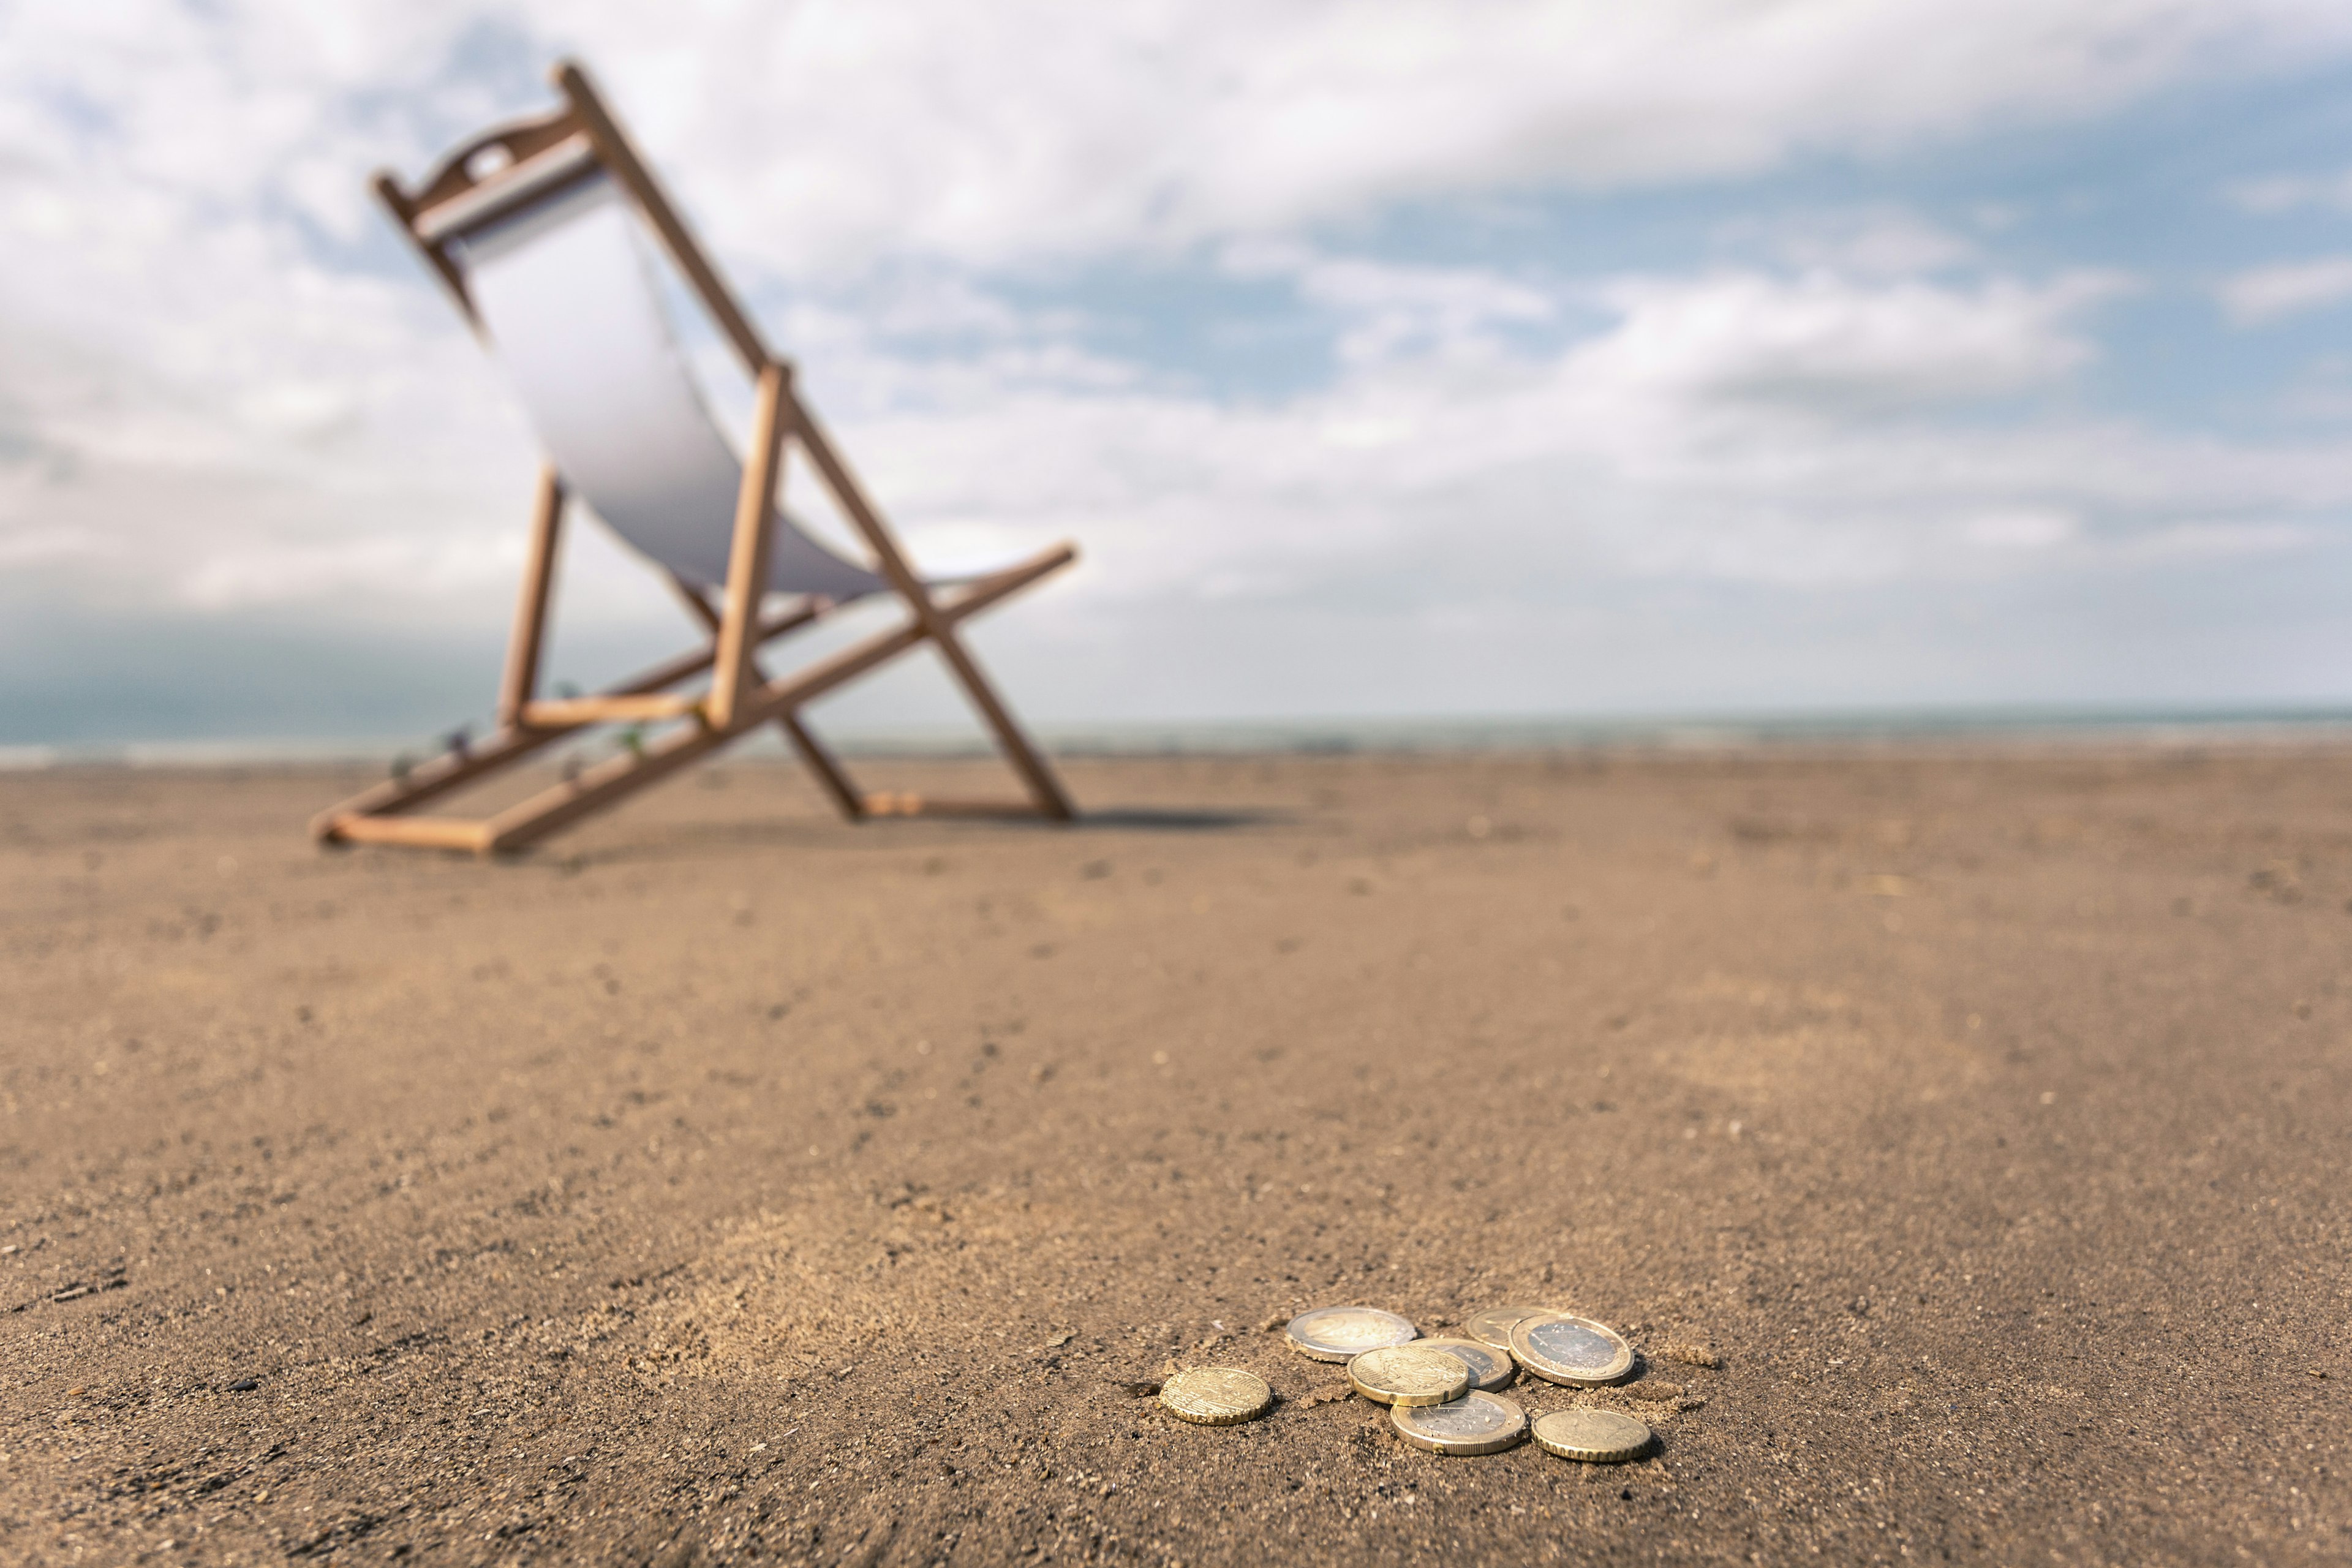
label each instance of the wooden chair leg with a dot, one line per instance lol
(1044, 787)
(829, 774)
(520, 682)
(821, 762)
(747, 561)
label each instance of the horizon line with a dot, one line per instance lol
(1694, 730)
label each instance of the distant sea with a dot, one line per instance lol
(1834, 729)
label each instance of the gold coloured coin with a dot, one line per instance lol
(1494, 1326)
(1342, 1333)
(1560, 1347)
(1489, 1368)
(1595, 1437)
(1216, 1396)
(1409, 1374)
(1477, 1424)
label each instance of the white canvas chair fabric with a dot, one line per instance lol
(566, 293)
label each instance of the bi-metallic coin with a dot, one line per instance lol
(1478, 1424)
(1494, 1325)
(1489, 1368)
(1409, 1374)
(1342, 1333)
(1596, 1437)
(1216, 1396)
(1560, 1347)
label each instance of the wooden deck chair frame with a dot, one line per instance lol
(741, 697)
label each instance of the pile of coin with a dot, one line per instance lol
(1440, 1391)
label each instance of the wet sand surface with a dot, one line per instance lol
(724, 1184)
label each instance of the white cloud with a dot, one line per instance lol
(827, 134)
(1736, 426)
(2266, 293)
(2207, 538)
(1872, 243)
(1010, 130)
(2020, 530)
(2285, 193)
(25, 547)
(1390, 309)
(1825, 341)
(240, 394)
(378, 566)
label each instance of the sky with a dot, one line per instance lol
(1385, 361)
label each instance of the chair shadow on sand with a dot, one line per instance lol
(1178, 819)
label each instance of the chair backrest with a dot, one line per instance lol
(564, 289)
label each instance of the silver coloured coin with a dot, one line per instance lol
(1343, 1333)
(1480, 1424)
(1560, 1347)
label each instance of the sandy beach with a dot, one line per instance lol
(723, 1183)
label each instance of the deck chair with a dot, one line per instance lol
(539, 229)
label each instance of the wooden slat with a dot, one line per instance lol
(519, 683)
(572, 713)
(416, 832)
(522, 141)
(565, 163)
